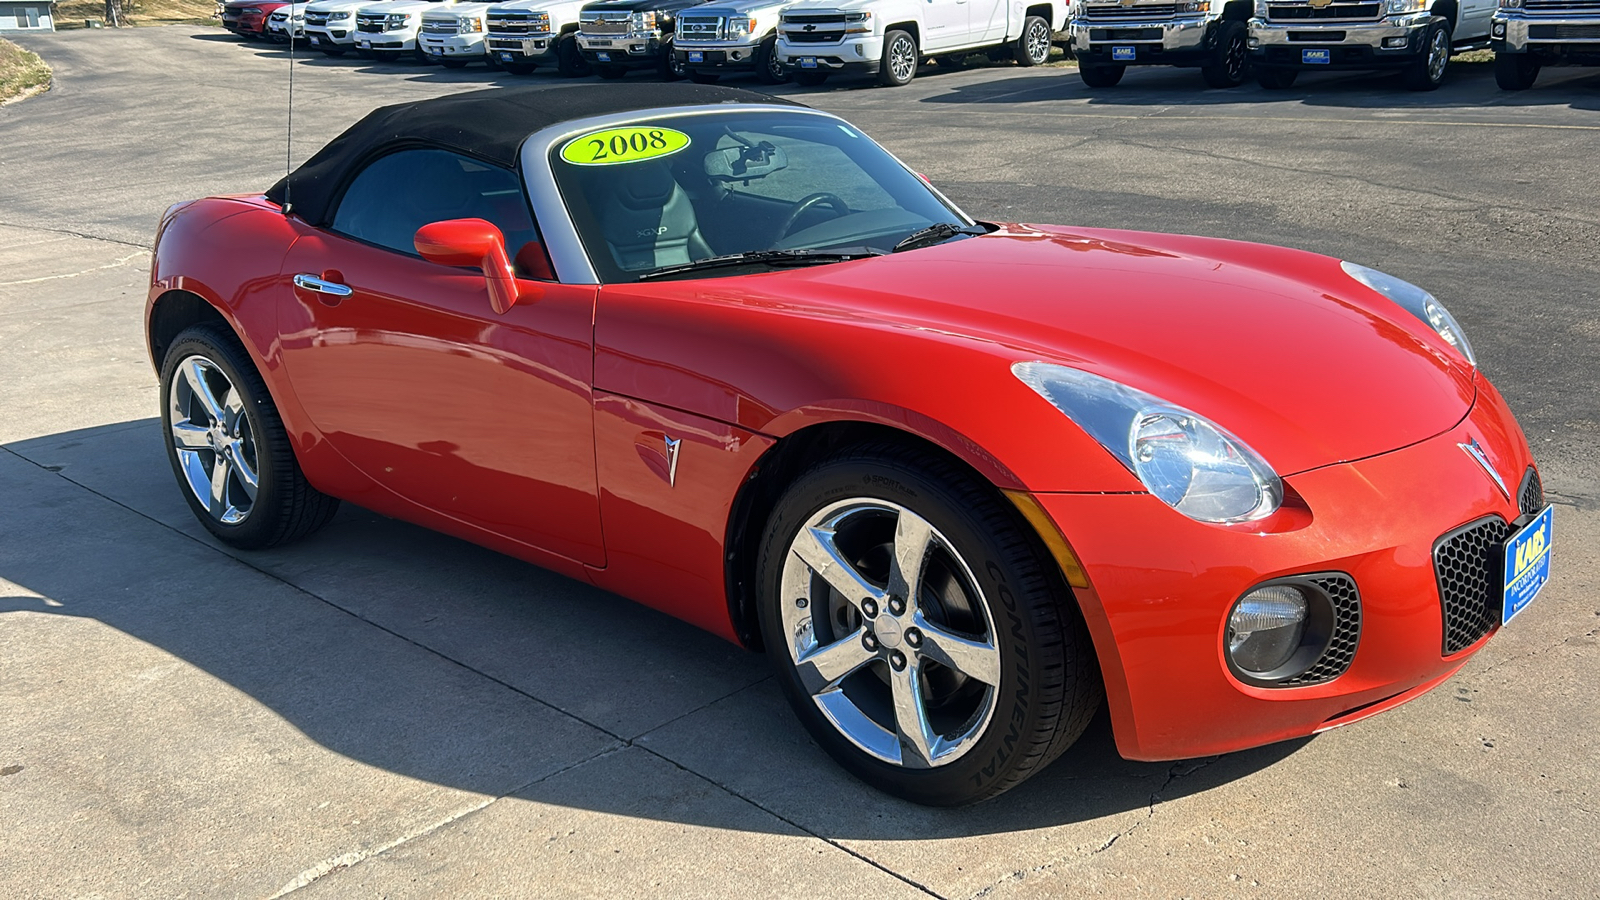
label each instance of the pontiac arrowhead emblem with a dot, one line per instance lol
(1475, 450)
(672, 460)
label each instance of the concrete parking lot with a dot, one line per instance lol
(386, 711)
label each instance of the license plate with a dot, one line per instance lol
(696, 56)
(1527, 563)
(603, 56)
(315, 40)
(364, 44)
(1316, 57)
(1121, 53)
(508, 57)
(808, 62)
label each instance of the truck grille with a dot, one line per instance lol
(1546, 7)
(609, 25)
(1346, 602)
(1302, 12)
(1147, 11)
(520, 23)
(1564, 32)
(1467, 564)
(316, 18)
(437, 27)
(371, 24)
(700, 28)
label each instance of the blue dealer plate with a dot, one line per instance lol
(508, 57)
(808, 62)
(1316, 57)
(696, 56)
(1527, 563)
(1121, 53)
(603, 56)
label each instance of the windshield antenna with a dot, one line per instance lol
(288, 137)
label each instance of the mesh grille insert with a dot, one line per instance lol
(1346, 601)
(1467, 564)
(1530, 497)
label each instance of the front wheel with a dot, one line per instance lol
(1101, 76)
(1230, 65)
(1033, 45)
(919, 630)
(668, 66)
(769, 68)
(1427, 73)
(1276, 79)
(1515, 71)
(569, 60)
(899, 63)
(228, 447)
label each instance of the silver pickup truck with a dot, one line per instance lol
(1528, 35)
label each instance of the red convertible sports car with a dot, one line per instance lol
(726, 355)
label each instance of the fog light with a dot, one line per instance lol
(1253, 43)
(1394, 43)
(1499, 29)
(1265, 628)
(859, 51)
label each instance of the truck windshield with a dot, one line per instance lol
(662, 194)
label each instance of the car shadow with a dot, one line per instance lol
(314, 632)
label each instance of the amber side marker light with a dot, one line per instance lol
(1051, 535)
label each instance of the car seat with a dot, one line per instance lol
(648, 221)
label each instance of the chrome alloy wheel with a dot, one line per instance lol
(215, 443)
(903, 59)
(1438, 55)
(889, 632)
(1038, 41)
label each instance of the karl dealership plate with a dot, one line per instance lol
(808, 62)
(696, 56)
(603, 56)
(1123, 53)
(1527, 564)
(1320, 57)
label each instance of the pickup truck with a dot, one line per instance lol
(331, 25)
(452, 34)
(1107, 36)
(1414, 37)
(727, 38)
(526, 34)
(890, 38)
(618, 35)
(390, 29)
(1529, 34)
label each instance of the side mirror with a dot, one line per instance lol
(477, 244)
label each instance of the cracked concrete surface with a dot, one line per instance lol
(381, 710)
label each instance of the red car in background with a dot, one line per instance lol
(727, 356)
(247, 19)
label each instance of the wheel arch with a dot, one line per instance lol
(908, 27)
(1448, 10)
(1044, 11)
(174, 311)
(1237, 11)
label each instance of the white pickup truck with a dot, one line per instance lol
(526, 34)
(1528, 35)
(1414, 37)
(728, 38)
(331, 25)
(890, 38)
(452, 34)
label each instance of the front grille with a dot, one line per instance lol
(1150, 11)
(814, 37)
(820, 19)
(1530, 497)
(1542, 7)
(316, 18)
(699, 28)
(1124, 34)
(604, 26)
(371, 24)
(1564, 32)
(1317, 37)
(449, 27)
(1467, 563)
(1346, 601)
(1300, 12)
(512, 23)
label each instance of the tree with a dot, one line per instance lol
(114, 13)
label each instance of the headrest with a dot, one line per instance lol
(647, 185)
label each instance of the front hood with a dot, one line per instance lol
(1279, 346)
(819, 6)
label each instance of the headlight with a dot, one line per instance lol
(338, 16)
(539, 21)
(1265, 628)
(467, 25)
(250, 11)
(644, 21)
(398, 20)
(1416, 301)
(858, 23)
(1261, 9)
(1191, 464)
(1402, 7)
(1510, 4)
(741, 27)
(1195, 6)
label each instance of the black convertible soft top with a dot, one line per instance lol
(490, 125)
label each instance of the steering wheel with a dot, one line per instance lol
(804, 203)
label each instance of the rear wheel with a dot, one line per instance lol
(1515, 71)
(228, 447)
(1276, 79)
(1427, 73)
(769, 68)
(1101, 76)
(810, 79)
(918, 630)
(569, 61)
(899, 63)
(1230, 65)
(1033, 45)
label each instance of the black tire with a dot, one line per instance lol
(1101, 76)
(806, 78)
(569, 60)
(332, 51)
(1275, 79)
(421, 56)
(700, 76)
(900, 57)
(519, 68)
(668, 67)
(610, 73)
(1033, 45)
(1515, 71)
(453, 63)
(366, 53)
(1048, 683)
(386, 56)
(769, 68)
(1427, 73)
(285, 507)
(1230, 65)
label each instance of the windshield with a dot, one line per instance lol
(668, 192)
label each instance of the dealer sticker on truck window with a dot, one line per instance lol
(614, 146)
(1527, 563)
(1316, 57)
(1121, 53)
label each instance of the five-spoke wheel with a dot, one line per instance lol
(212, 437)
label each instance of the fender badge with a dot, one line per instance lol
(1474, 450)
(672, 462)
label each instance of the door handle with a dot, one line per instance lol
(313, 283)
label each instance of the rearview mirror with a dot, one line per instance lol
(478, 244)
(746, 162)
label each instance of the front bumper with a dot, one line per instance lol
(532, 48)
(331, 36)
(627, 51)
(247, 26)
(1574, 37)
(454, 46)
(717, 55)
(1391, 42)
(1162, 42)
(853, 56)
(1162, 586)
(387, 40)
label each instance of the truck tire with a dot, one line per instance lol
(610, 73)
(1515, 71)
(1033, 45)
(1427, 73)
(810, 79)
(769, 68)
(569, 60)
(1101, 76)
(1275, 79)
(668, 68)
(1230, 65)
(900, 58)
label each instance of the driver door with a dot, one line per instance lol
(409, 374)
(947, 24)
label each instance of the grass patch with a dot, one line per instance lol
(20, 71)
(72, 13)
(1472, 58)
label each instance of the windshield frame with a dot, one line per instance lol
(562, 241)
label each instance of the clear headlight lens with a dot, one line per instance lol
(1404, 7)
(469, 25)
(338, 16)
(858, 23)
(1195, 6)
(398, 20)
(644, 21)
(1265, 628)
(1190, 463)
(1510, 4)
(741, 27)
(1416, 301)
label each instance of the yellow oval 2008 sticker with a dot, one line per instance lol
(614, 146)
